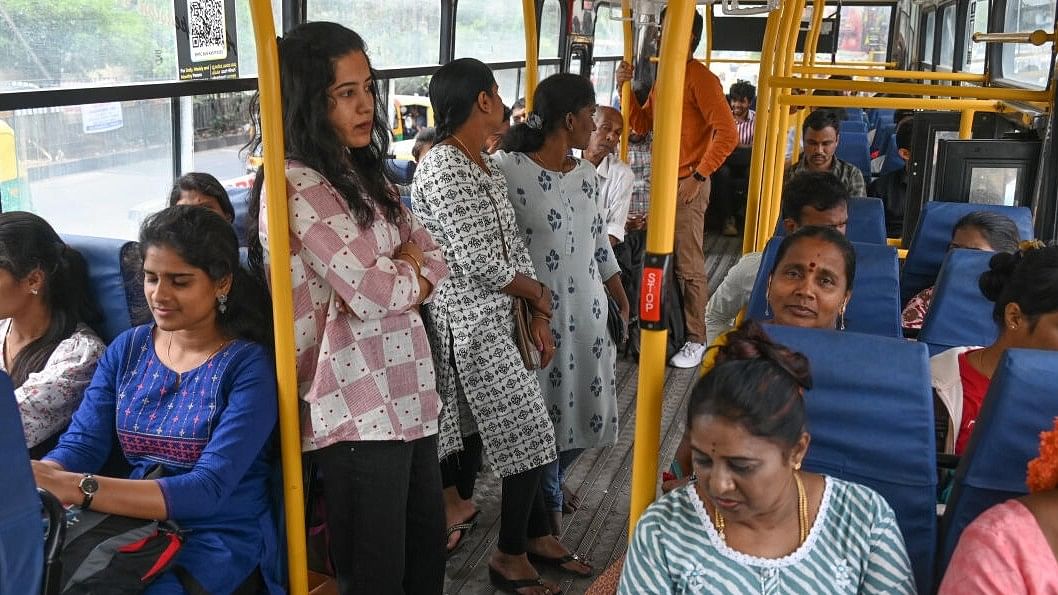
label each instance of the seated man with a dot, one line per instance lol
(615, 176)
(820, 135)
(892, 187)
(811, 198)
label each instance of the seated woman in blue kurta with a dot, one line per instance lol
(194, 393)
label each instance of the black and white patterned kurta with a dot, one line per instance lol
(562, 220)
(471, 326)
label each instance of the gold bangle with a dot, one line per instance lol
(543, 290)
(541, 316)
(418, 265)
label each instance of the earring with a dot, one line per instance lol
(841, 320)
(797, 466)
(36, 291)
(222, 303)
(767, 305)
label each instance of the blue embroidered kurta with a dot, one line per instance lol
(209, 429)
(560, 216)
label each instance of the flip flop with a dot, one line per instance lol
(512, 585)
(558, 563)
(570, 501)
(464, 528)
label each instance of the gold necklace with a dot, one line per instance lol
(169, 356)
(802, 510)
(474, 158)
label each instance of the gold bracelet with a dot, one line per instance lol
(541, 316)
(418, 265)
(543, 290)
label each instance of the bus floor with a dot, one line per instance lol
(600, 478)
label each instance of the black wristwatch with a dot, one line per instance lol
(89, 486)
(699, 177)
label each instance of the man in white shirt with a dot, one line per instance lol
(615, 176)
(809, 198)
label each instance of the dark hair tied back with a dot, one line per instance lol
(555, 97)
(757, 383)
(1027, 277)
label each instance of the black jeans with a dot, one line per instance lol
(523, 515)
(385, 516)
(461, 469)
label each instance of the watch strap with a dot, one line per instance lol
(86, 504)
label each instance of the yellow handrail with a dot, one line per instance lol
(865, 63)
(912, 89)
(668, 115)
(966, 77)
(282, 294)
(755, 188)
(626, 89)
(532, 52)
(894, 102)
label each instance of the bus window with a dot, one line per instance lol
(928, 37)
(550, 29)
(602, 77)
(609, 33)
(947, 37)
(99, 169)
(397, 32)
(490, 31)
(976, 22)
(1025, 62)
(863, 34)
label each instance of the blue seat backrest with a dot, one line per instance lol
(893, 161)
(874, 308)
(870, 415)
(21, 532)
(866, 221)
(402, 170)
(116, 280)
(240, 201)
(930, 241)
(855, 114)
(879, 117)
(959, 314)
(854, 148)
(1021, 402)
(853, 126)
(882, 135)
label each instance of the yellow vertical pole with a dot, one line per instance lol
(282, 294)
(760, 141)
(668, 115)
(808, 60)
(626, 89)
(966, 124)
(532, 52)
(708, 35)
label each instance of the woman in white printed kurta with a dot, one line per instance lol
(559, 215)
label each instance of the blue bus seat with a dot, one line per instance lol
(21, 535)
(959, 314)
(1021, 402)
(240, 201)
(401, 170)
(893, 161)
(854, 148)
(882, 135)
(930, 241)
(870, 414)
(866, 221)
(853, 126)
(874, 308)
(116, 279)
(879, 117)
(855, 114)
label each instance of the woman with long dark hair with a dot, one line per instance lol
(45, 305)
(193, 393)
(556, 201)
(361, 265)
(491, 399)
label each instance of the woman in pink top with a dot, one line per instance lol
(361, 266)
(1013, 547)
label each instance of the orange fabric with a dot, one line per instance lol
(708, 133)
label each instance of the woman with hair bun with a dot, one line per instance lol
(1024, 288)
(1013, 547)
(48, 349)
(556, 201)
(752, 521)
(491, 399)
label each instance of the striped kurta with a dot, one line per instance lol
(854, 546)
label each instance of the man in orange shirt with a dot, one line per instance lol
(708, 135)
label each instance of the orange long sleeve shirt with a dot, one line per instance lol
(708, 133)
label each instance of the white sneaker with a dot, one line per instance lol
(689, 356)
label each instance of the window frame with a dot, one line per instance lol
(997, 22)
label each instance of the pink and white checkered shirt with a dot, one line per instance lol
(363, 359)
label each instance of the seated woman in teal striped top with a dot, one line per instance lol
(752, 521)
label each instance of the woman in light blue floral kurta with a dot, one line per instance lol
(555, 199)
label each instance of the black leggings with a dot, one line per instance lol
(461, 469)
(523, 515)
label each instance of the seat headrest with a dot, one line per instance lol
(866, 221)
(874, 308)
(240, 201)
(959, 314)
(116, 279)
(930, 241)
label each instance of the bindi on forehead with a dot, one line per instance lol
(812, 265)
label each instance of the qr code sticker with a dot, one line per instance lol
(206, 24)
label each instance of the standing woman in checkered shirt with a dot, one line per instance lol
(361, 266)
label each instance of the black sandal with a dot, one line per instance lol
(464, 528)
(558, 563)
(512, 585)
